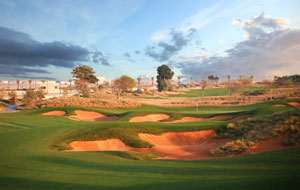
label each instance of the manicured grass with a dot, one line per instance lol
(29, 158)
(214, 92)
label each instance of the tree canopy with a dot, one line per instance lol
(83, 76)
(124, 83)
(164, 74)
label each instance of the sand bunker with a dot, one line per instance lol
(175, 145)
(178, 145)
(91, 116)
(194, 119)
(294, 103)
(58, 112)
(279, 105)
(149, 118)
(239, 117)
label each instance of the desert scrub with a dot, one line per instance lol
(247, 133)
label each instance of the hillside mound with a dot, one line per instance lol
(149, 118)
(91, 116)
(58, 112)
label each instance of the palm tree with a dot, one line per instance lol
(47, 86)
(59, 84)
(18, 84)
(29, 81)
(139, 81)
(179, 82)
(152, 79)
(217, 80)
(228, 84)
(70, 83)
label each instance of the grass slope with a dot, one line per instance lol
(28, 162)
(214, 92)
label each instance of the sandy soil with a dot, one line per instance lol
(178, 145)
(239, 117)
(269, 145)
(91, 116)
(194, 119)
(175, 145)
(58, 112)
(279, 105)
(294, 103)
(150, 118)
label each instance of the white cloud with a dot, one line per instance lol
(160, 35)
(236, 22)
(269, 50)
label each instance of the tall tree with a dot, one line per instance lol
(164, 74)
(70, 84)
(228, 84)
(203, 84)
(139, 80)
(29, 81)
(217, 80)
(83, 76)
(152, 80)
(18, 84)
(179, 82)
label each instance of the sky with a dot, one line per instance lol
(41, 39)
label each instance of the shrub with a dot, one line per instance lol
(40, 94)
(29, 97)
(247, 133)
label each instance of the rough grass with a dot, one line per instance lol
(28, 161)
(214, 92)
(249, 132)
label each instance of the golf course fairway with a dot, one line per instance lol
(33, 152)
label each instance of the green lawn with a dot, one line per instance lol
(214, 92)
(29, 158)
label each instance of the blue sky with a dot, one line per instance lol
(134, 37)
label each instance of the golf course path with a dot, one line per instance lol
(10, 109)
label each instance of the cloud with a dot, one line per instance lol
(236, 22)
(99, 58)
(270, 50)
(137, 52)
(163, 51)
(128, 56)
(22, 55)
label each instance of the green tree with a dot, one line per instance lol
(29, 97)
(164, 74)
(83, 75)
(124, 83)
(40, 94)
(282, 81)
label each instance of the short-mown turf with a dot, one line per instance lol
(30, 159)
